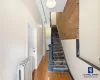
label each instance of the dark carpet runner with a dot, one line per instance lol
(57, 62)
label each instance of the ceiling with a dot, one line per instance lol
(45, 11)
(60, 4)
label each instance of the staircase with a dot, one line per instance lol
(57, 61)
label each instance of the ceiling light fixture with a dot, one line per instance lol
(51, 3)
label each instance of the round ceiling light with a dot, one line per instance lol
(51, 3)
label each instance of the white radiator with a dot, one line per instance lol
(24, 70)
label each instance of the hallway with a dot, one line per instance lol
(42, 72)
(30, 49)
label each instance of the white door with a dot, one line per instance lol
(32, 42)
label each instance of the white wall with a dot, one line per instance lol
(77, 66)
(89, 41)
(32, 7)
(89, 29)
(13, 36)
(53, 18)
(39, 45)
(48, 37)
(44, 12)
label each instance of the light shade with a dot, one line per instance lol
(51, 3)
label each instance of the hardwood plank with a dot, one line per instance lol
(42, 72)
(59, 76)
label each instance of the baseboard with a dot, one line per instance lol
(71, 75)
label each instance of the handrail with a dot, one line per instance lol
(89, 63)
(78, 56)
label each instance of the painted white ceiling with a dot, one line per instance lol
(60, 4)
(53, 18)
(45, 11)
(39, 9)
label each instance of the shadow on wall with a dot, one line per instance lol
(32, 7)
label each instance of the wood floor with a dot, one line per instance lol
(42, 72)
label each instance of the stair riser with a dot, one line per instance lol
(58, 62)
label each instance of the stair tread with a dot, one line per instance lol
(59, 56)
(58, 52)
(58, 62)
(61, 68)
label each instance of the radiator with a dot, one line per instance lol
(24, 70)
